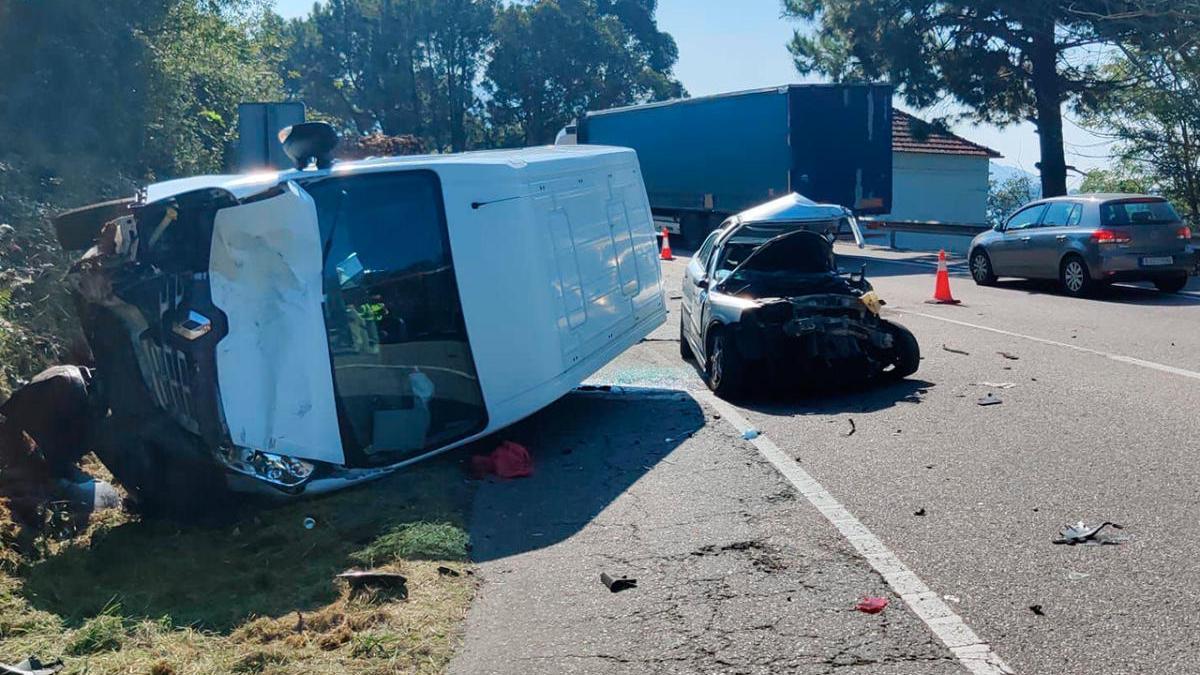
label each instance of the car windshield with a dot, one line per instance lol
(1138, 212)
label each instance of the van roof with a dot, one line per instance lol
(242, 186)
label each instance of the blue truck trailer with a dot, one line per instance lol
(706, 158)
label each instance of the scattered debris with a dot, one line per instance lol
(952, 598)
(617, 585)
(955, 351)
(1037, 610)
(990, 399)
(996, 385)
(31, 666)
(1010, 357)
(447, 572)
(750, 434)
(852, 428)
(716, 416)
(1079, 533)
(920, 513)
(1076, 576)
(374, 579)
(309, 523)
(508, 460)
(872, 605)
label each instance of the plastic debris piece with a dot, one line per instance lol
(952, 598)
(990, 399)
(852, 428)
(1037, 610)
(996, 385)
(1010, 357)
(31, 666)
(448, 572)
(309, 523)
(508, 460)
(920, 513)
(1077, 576)
(616, 585)
(750, 434)
(376, 579)
(872, 605)
(955, 351)
(1079, 533)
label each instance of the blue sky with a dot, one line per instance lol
(727, 45)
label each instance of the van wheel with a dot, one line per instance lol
(1074, 277)
(725, 370)
(907, 352)
(981, 268)
(1172, 284)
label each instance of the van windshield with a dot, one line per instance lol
(1138, 212)
(404, 377)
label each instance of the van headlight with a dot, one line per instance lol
(279, 470)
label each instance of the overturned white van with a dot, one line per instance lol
(305, 330)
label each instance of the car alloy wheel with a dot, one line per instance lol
(981, 269)
(1073, 276)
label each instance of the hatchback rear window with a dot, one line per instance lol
(1138, 212)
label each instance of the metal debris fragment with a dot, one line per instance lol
(31, 666)
(955, 351)
(1079, 533)
(852, 428)
(616, 585)
(1010, 357)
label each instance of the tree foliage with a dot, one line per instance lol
(1004, 60)
(1007, 195)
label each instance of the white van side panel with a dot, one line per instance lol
(574, 272)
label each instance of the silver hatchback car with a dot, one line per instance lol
(1089, 239)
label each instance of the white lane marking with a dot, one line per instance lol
(1152, 365)
(973, 653)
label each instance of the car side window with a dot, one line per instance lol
(1076, 215)
(1025, 218)
(1058, 214)
(706, 249)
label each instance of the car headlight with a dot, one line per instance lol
(279, 470)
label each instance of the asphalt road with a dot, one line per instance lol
(1098, 422)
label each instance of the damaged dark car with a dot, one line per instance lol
(764, 304)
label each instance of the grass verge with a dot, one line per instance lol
(257, 595)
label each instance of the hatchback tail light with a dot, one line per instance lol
(1184, 233)
(1110, 237)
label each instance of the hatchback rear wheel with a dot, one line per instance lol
(1074, 277)
(1171, 284)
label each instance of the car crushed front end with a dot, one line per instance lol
(791, 319)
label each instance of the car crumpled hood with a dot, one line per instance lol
(799, 252)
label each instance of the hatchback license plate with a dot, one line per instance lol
(1167, 260)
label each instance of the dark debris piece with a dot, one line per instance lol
(1010, 357)
(374, 580)
(955, 351)
(1079, 533)
(1037, 610)
(617, 585)
(852, 428)
(990, 399)
(920, 513)
(31, 666)
(448, 572)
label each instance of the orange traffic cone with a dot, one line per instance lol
(666, 246)
(941, 290)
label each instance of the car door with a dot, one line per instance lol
(1010, 253)
(1050, 238)
(691, 304)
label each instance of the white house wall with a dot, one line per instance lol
(945, 188)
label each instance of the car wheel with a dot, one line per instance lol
(981, 268)
(1074, 277)
(1172, 284)
(725, 370)
(907, 351)
(685, 350)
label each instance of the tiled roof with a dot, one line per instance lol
(904, 139)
